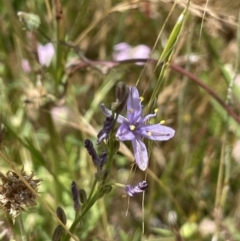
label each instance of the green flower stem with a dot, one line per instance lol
(84, 212)
(22, 230)
(92, 190)
(167, 53)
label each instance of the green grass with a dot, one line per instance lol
(48, 113)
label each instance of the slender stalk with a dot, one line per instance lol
(176, 68)
(227, 158)
(92, 189)
(22, 229)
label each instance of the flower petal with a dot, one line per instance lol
(45, 54)
(108, 113)
(134, 106)
(124, 133)
(140, 153)
(157, 132)
(121, 52)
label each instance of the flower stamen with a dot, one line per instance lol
(132, 127)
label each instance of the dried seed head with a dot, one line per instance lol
(14, 194)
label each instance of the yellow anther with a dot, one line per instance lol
(141, 98)
(149, 133)
(132, 127)
(156, 110)
(162, 122)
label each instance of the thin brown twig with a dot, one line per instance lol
(176, 68)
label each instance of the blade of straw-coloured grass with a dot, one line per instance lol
(82, 10)
(118, 8)
(4, 156)
(165, 57)
(155, 45)
(15, 23)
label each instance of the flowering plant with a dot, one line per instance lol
(135, 127)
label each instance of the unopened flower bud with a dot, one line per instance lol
(31, 21)
(75, 196)
(61, 215)
(107, 127)
(82, 196)
(122, 92)
(92, 152)
(98, 161)
(57, 233)
(105, 190)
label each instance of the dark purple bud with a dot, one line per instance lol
(92, 152)
(82, 195)
(103, 159)
(107, 127)
(75, 196)
(140, 187)
(105, 190)
(98, 161)
(122, 92)
(61, 215)
(57, 233)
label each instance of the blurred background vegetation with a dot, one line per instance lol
(49, 109)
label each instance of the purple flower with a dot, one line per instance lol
(45, 54)
(135, 127)
(124, 51)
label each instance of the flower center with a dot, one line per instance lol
(149, 133)
(132, 127)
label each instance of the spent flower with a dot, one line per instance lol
(140, 187)
(135, 127)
